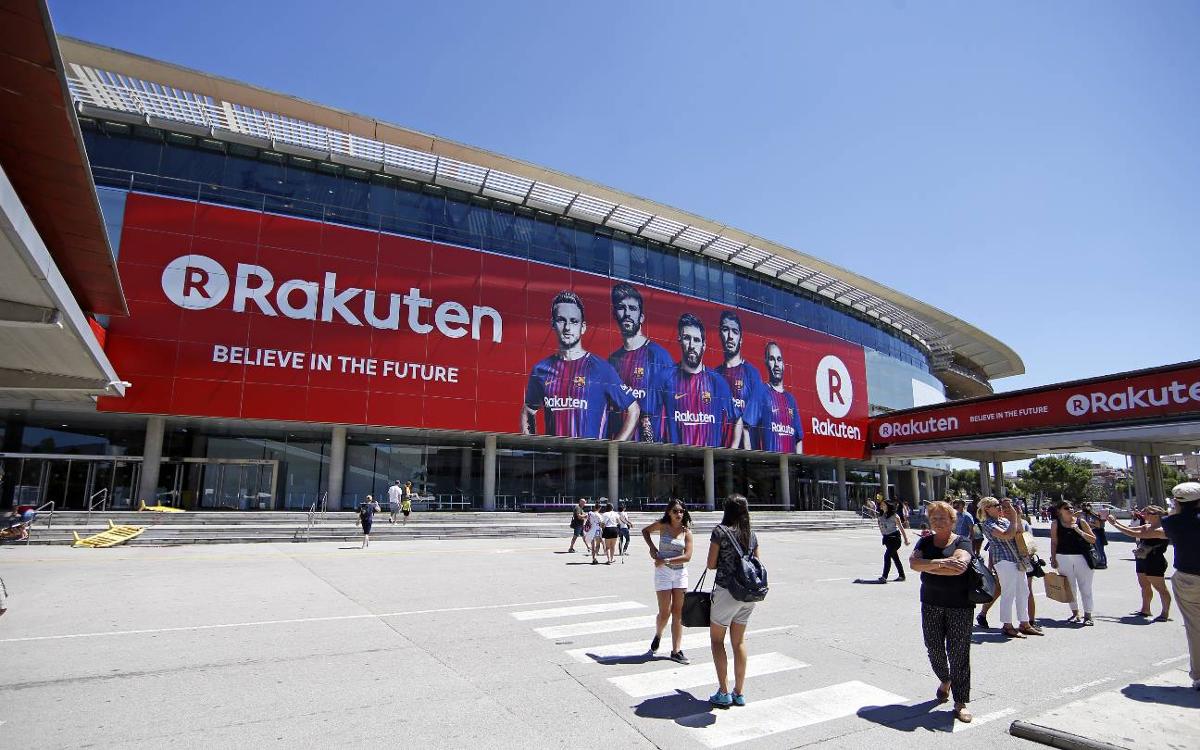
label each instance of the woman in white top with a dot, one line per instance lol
(623, 527)
(591, 532)
(670, 556)
(608, 524)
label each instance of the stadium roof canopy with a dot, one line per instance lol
(115, 85)
(55, 260)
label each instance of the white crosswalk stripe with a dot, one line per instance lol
(582, 609)
(612, 651)
(666, 680)
(774, 715)
(597, 626)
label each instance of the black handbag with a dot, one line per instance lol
(982, 581)
(1038, 565)
(697, 606)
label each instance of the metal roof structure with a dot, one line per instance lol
(111, 84)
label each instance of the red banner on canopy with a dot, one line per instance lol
(241, 314)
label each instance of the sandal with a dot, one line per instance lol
(1139, 613)
(1087, 620)
(1074, 617)
(1161, 618)
(942, 694)
(1031, 631)
(1011, 632)
(963, 715)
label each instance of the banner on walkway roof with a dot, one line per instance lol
(241, 314)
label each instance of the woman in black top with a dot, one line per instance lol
(946, 608)
(1150, 560)
(893, 529)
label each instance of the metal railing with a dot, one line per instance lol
(316, 514)
(105, 90)
(38, 512)
(93, 502)
(828, 505)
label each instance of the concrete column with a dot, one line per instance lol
(985, 484)
(614, 473)
(727, 488)
(840, 466)
(464, 473)
(914, 487)
(1141, 485)
(151, 460)
(710, 481)
(883, 479)
(998, 480)
(785, 482)
(489, 472)
(337, 467)
(570, 463)
(930, 495)
(1157, 490)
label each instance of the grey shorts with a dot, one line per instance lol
(726, 609)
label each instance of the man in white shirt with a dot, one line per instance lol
(394, 493)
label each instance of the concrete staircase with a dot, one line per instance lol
(165, 529)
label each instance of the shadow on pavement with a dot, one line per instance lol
(870, 581)
(682, 708)
(905, 718)
(1172, 695)
(645, 658)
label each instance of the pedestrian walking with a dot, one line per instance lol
(609, 524)
(1001, 524)
(1183, 530)
(395, 493)
(1149, 560)
(623, 527)
(406, 501)
(728, 614)
(592, 526)
(670, 555)
(366, 517)
(893, 530)
(946, 608)
(1096, 522)
(1070, 541)
(578, 516)
(3, 597)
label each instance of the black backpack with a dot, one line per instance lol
(749, 580)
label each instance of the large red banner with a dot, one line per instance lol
(1165, 392)
(243, 314)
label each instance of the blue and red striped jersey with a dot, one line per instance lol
(640, 369)
(697, 407)
(781, 427)
(575, 395)
(744, 385)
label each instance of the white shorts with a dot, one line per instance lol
(725, 609)
(666, 578)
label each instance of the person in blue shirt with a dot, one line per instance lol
(696, 400)
(639, 361)
(745, 384)
(574, 388)
(1182, 527)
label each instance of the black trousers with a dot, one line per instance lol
(891, 543)
(948, 640)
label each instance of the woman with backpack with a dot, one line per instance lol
(366, 516)
(670, 556)
(942, 559)
(730, 542)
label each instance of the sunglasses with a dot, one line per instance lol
(677, 510)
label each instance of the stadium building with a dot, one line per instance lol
(312, 302)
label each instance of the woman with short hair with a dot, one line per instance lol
(893, 529)
(1001, 524)
(942, 559)
(1070, 542)
(731, 536)
(609, 522)
(1149, 560)
(670, 556)
(366, 517)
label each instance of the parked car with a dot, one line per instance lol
(1110, 509)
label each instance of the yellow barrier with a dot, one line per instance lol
(111, 538)
(160, 508)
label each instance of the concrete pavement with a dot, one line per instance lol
(509, 643)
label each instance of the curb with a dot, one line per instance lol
(1057, 737)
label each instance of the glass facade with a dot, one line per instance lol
(143, 159)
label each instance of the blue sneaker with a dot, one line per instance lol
(738, 699)
(720, 700)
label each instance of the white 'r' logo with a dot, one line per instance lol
(195, 282)
(834, 387)
(1078, 405)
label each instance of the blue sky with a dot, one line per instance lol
(1029, 167)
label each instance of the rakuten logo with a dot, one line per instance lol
(691, 417)
(835, 390)
(888, 430)
(829, 428)
(555, 403)
(1133, 398)
(197, 282)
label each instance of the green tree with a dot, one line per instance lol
(1171, 477)
(1058, 477)
(964, 482)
